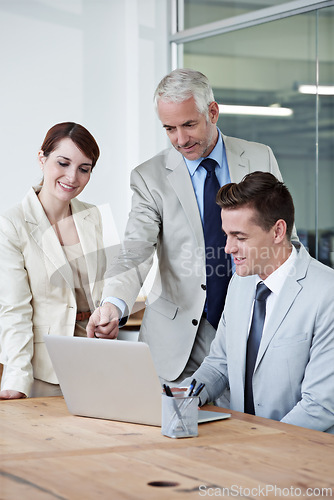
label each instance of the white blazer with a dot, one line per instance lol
(37, 295)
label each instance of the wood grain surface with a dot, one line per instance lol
(47, 453)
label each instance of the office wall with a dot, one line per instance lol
(252, 64)
(95, 62)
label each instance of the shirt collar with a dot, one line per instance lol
(275, 280)
(216, 154)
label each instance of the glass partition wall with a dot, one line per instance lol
(278, 61)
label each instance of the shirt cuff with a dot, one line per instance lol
(117, 302)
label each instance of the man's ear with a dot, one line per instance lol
(213, 112)
(279, 230)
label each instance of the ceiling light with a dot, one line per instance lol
(228, 109)
(316, 89)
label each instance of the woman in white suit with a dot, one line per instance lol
(51, 263)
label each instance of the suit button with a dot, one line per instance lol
(195, 322)
(203, 287)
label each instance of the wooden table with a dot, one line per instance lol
(47, 454)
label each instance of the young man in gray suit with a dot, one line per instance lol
(287, 373)
(168, 215)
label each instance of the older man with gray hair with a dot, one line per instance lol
(175, 215)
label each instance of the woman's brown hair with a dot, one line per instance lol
(78, 134)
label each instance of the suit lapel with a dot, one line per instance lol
(180, 181)
(55, 260)
(285, 300)
(46, 239)
(237, 163)
(56, 263)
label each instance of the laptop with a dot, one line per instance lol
(110, 379)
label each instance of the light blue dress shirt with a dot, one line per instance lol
(198, 174)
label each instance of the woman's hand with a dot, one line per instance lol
(11, 394)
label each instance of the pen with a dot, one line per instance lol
(191, 387)
(176, 408)
(199, 389)
(168, 390)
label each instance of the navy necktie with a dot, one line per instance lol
(254, 339)
(218, 267)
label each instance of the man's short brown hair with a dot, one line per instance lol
(262, 191)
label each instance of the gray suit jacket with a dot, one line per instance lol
(293, 379)
(37, 295)
(165, 217)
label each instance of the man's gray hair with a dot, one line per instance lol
(182, 84)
